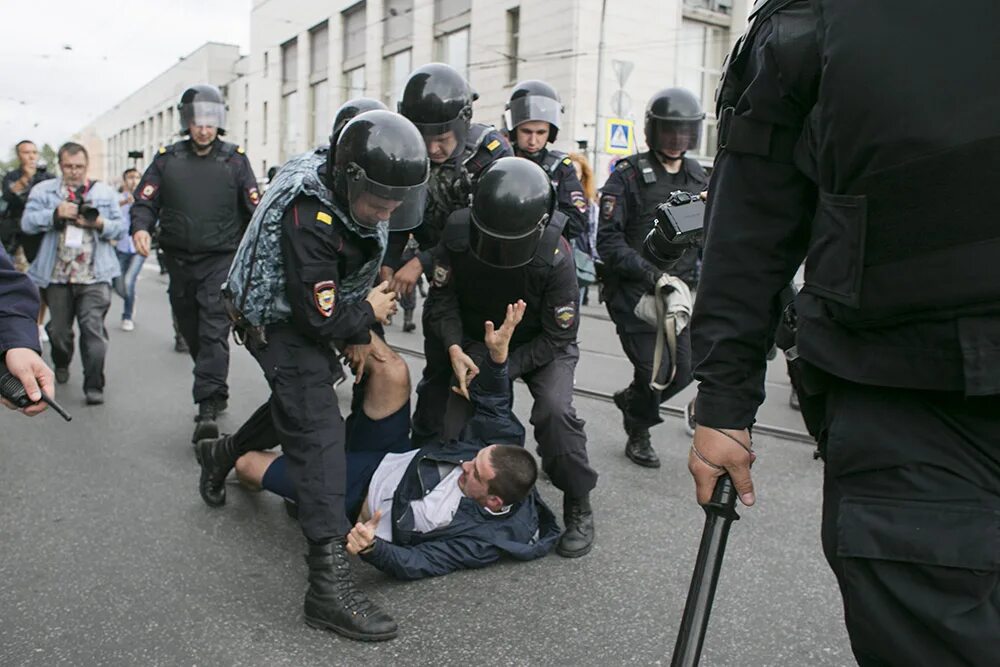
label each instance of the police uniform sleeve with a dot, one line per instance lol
(617, 208)
(571, 201)
(757, 230)
(145, 210)
(18, 308)
(310, 246)
(394, 253)
(559, 313)
(442, 316)
(246, 184)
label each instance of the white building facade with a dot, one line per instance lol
(309, 56)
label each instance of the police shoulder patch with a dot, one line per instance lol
(325, 297)
(608, 205)
(578, 200)
(493, 145)
(565, 315)
(441, 275)
(568, 161)
(163, 149)
(148, 191)
(254, 196)
(324, 217)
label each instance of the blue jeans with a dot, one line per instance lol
(131, 264)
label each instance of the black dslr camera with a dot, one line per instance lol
(678, 226)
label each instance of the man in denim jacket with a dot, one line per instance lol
(76, 263)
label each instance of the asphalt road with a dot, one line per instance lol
(109, 557)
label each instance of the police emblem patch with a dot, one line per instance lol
(254, 196)
(441, 275)
(565, 315)
(148, 191)
(579, 201)
(325, 297)
(608, 206)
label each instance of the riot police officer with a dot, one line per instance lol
(202, 191)
(628, 205)
(509, 246)
(532, 118)
(300, 288)
(886, 182)
(439, 102)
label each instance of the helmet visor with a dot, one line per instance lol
(503, 251)
(372, 203)
(533, 107)
(675, 136)
(210, 114)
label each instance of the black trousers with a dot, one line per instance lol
(88, 305)
(303, 416)
(911, 523)
(432, 391)
(196, 301)
(562, 443)
(642, 401)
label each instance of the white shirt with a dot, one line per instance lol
(434, 510)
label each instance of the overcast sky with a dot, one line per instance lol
(64, 63)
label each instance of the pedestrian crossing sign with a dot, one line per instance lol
(619, 137)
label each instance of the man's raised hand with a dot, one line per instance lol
(498, 340)
(362, 536)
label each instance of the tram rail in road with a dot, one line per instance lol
(758, 428)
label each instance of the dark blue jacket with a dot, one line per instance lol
(475, 537)
(18, 308)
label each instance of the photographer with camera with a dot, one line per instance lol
(17, 183)
(630, 199)
(76, 263)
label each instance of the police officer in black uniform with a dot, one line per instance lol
(301, 289)
(628, 207)
(879, 168)
(438, 100)
(509, 246)
(532, 119)
(202, 191)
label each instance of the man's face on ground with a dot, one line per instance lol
(441, 146)
(27, 154)
(131, 181)
(370, 210)
(74, 168)
(203, 135)
(531, 136)
(475, 479)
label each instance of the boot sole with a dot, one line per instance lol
(320, 624)
(201, 479)
(642, 462)
(575, 554)
(205, 431)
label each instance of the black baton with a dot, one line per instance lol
(720, 512)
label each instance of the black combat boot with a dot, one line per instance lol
(216, 456)
(334, 603)
(205, 425)
(639, 450)
(578, 538)
(408, 324)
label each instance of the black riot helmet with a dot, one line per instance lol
(512, 204)
(381, 169)
(202, 105)
(437, 99)
(347, 111)
(673, 121)
(533, 100)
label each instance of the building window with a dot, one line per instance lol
(267, 64)
(319, 52)
(354, 36)
(513, 34)
(246, 132)
(354, 83)
(246, 97)
(319, 94)
(398, 21)
(701, 50)
(449, 9)
(291, 131)
(453, 49)
(263, 125)
(397, 69)
(289, 66)
(718, 6)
